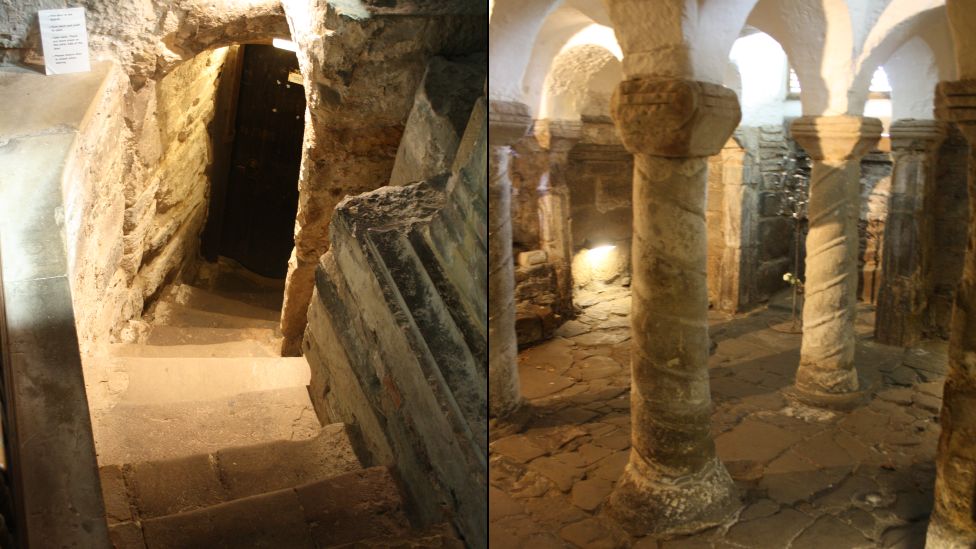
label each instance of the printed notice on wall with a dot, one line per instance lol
(65, 40)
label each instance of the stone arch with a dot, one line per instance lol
(580, 82)
(913, 73)
(897, 25)
(763, 67)
(556, 32)
(818, 39)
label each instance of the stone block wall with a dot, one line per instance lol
(600, 180)
(750, 244)
(535, 296)
(876, 170)
(529, 164)
(775, 233)
(947, 213)
(135, 203)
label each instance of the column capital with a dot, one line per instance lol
(673, 117)
(919, 135)
(955, 101)
(508, 121)
(836, 137)
(557, 135)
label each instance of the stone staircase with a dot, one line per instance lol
(206, 438)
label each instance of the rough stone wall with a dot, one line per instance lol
(148, 39)
(875, 189)
(94, 214)
(137, 200)
(396, 334)
(945, 205)
(169, 206)
(360, 85)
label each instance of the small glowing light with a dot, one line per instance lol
(283, 44)
(600, 253)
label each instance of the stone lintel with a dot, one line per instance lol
(557, 135)
(916, 135)
(590, 152)
(673, 117)
(836, 137)
(508, 121)
(955, 101)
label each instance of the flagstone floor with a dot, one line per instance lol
(808, 478)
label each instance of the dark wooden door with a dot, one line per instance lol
(261, 200)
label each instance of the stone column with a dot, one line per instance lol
(901, 296)
(555, 229)
(953, 521)
(507, 123)
(673, 482)
(826, 375)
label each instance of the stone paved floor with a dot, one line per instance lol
(808, 478)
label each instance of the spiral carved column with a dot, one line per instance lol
(826, 375)
(901, 297)
(673, 482)
(508, 122)
(953, 521)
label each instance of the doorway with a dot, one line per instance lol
(254, 204)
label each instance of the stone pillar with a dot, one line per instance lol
(673, 482)
(732, 204)
(555, 230)
(902, 293)
(826, 375)
(953, 521)
(507, 123)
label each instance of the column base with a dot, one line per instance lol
(942, 536)
(511, 423)
(645, 503)
(823, 399)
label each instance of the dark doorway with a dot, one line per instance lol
(252, 210)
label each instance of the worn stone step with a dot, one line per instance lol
(135, 380)
(230, 276)
(229, 349)
(186, 335)
(173, 314)
(440, 333)
(205, 300)
(138, 491)
(437, 537)
(132, 432)
(341, 510)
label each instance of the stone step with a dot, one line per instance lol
(229, 349)
(436, 537)
(139, 491)
(132, 432)
(345, 509)
(133, 380)
(173, 314)
(267, 299)
(228, 275)
(184, 335)
(204, 300)
(441, 334)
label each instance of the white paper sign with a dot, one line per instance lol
(65, 40)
